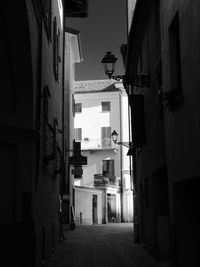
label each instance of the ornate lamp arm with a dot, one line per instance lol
(126, 144)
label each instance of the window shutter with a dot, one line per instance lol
(78, 107)
(104, 167)
(78, 133)
(111, 169)
(56, 36)
(108, 167)
(106, 136)
(54, 44)
(137, 118)
(48, 7)
(73, 105)
(58, 59)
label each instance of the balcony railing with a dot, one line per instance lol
(106, 179)
(104, 143)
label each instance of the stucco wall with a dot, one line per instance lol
(83, 205)
(91, 120)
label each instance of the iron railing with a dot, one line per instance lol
(106, 179)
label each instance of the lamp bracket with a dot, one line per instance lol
(141, 80)
(126, 144)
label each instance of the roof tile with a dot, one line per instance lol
(93, 86)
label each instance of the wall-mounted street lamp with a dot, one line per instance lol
(109, 61)
(114, 136)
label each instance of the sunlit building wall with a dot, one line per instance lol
(93, 124)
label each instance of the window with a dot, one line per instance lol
(140, 61)
(106, 137)
(78, 107)
(157, 27)
(146, 192)
(160, 84)
(73, 105)
(138, 119)
(47, 17)
(174, 54)
(108, 167)
(48, 131)
(105, 106)
(56, 49)
(78, 134)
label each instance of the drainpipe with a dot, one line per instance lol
(129, 138)
(62, 174)
(121, 162)
(134, 175)
(132, 163)
(136, 223)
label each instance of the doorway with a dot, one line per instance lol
(94, 209)
(111, 202)
(187, 221)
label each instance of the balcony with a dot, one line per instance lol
(97, 144)
(106, 179)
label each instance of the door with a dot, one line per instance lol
(94, 209)
(111, 203)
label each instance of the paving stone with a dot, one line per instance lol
(109, 245)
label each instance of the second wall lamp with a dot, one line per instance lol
(114, 136)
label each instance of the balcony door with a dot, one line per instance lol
(108, 167)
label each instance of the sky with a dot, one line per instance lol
(104, 30)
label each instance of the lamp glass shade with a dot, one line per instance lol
(130, 152)
(114, 135)
(108, 62)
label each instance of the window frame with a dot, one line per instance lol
(104, 106)
(78, 134)
(47, 17)
(56, 49)
(108, 167)
(75, 108)
(175, 54)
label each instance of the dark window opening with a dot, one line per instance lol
(160, 88)
(56, 49)
(108, 167)
(146, 192)
(78, 107)
(105, 106)
(47, 17)
(175, 54)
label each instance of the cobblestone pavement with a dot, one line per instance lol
(109, 245)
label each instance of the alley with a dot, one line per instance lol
(99, 246)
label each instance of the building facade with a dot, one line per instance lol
(73, 55)
(100, 107)
(162, 45)
(32, 159)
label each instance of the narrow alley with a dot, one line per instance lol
(99, 131)
(101, 245)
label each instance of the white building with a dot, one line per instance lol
(73, 55)
(103, 193)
